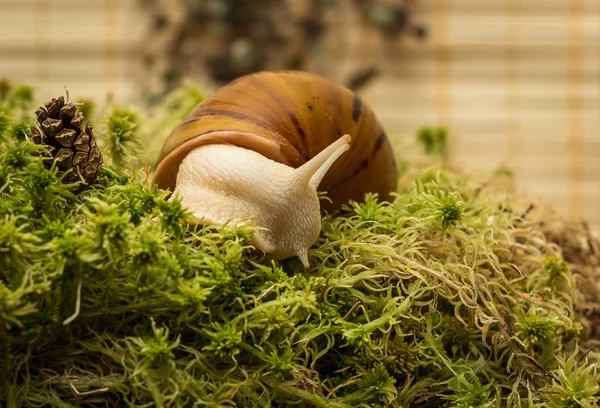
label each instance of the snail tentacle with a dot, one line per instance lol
(313, 171)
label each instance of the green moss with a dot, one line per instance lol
(449, 295)
(16, 100)
(434, 141)
(574, 384)
(87, 107)
(120, 134)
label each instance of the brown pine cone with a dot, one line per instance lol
(72, 146)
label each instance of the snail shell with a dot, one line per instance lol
(282, 120)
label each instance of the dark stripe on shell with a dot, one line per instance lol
(227, 113)
(356, 108)
(365, 163)
(379, 142)
(284, 106)
(298, 126)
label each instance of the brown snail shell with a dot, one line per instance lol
(289, 117)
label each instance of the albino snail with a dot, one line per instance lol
(257, 150)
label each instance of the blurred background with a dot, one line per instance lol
(515, 82)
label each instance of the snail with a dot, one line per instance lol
(258, 149)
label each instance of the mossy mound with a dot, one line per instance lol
(457, 293)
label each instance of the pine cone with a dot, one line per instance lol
(70, 144)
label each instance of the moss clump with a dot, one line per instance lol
(450, 295)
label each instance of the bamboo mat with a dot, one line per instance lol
(516, 81)
(91, 46)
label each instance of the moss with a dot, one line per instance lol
(456, 293)
(120, 134)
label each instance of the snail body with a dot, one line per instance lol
(257, 150)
